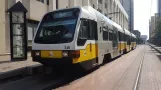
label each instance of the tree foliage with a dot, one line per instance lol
(157, 37)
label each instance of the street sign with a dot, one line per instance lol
(18, 32)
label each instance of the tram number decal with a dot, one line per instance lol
(67, 47)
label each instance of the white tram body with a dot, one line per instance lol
(79, 36)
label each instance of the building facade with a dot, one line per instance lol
(129, 8)
(37, 8)
(110, 8)
(152, 25)
(144, 37)
(137, 33)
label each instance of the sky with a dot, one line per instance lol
(142, 14)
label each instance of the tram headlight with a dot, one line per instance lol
(65, 54)
(37, 53)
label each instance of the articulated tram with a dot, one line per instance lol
(79, 36)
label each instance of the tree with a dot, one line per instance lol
(157, 36)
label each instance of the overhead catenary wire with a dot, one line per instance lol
(150, 9)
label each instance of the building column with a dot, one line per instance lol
(95, 2)
(103, 6)
(86, 3)
(52, 5)
(2, 27)
(71, 3)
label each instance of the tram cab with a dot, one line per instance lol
(79, 36)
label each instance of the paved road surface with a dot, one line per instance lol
(122, 73)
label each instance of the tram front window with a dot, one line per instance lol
(55, 32)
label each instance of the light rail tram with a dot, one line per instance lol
(79, 36)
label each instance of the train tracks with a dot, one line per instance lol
(39, 78)
(139, 72)
(43, 78)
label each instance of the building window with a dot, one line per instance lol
(41, 1)
(106, 5)
(100, 10)
(47, 2)
(100, 1)
(105, 14)
(93, 6)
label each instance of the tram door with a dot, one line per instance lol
(115, 42)
(99, 41)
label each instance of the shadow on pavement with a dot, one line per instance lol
(68, 76)
(152, 50)
(43, 81)
(1, 62)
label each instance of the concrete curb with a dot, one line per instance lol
(29, 70)
(5, 54)
(12, 73)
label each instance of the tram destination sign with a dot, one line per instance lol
(66, 13)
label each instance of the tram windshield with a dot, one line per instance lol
(59, 28)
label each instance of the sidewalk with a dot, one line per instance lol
(157, 48)
(151, 70)
(7, 65)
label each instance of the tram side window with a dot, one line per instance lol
(110, 35)
(120, 39)
(105, 33)
(126, 38)
(115, 36)
(83, 32)
(132, 39)
(93, 30)
(122, 36)
(88, 31)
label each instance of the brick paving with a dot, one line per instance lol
(121, 73)
(151, 71)
(117, 75)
